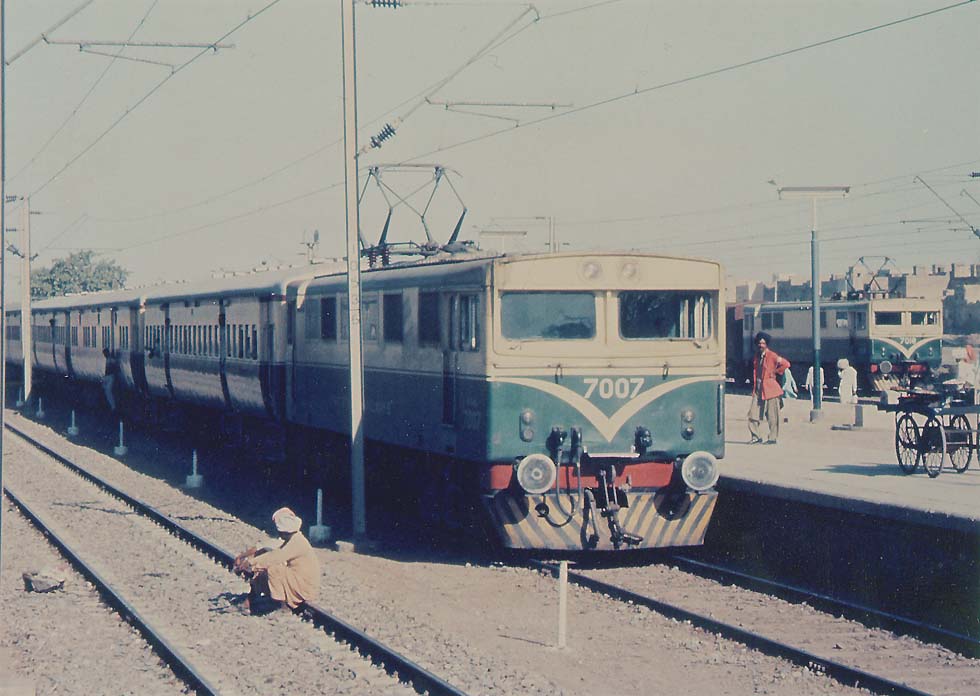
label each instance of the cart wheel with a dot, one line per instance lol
(932, 446)
(960, 443)
(907, 443)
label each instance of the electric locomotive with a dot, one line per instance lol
(903, 334)
(570, 401)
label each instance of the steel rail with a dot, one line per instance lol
(845, 674)
(896, 623)
(180, 665)
(391, 661)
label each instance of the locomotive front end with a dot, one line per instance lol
(606, 396)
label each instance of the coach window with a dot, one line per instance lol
(393, 318)
(925, 318)
(888, 318)
(548, 316)
(666, 314)
(430, 331)
(328, 318)
(255, 343)
(241, 341)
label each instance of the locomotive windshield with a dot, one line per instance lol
(547, 316)
(665, 314)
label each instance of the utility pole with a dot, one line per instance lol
(3, 245)
(353, 274)
(813, 193)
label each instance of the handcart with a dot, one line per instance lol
(932, 425)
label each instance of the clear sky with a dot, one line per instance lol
(670, 119)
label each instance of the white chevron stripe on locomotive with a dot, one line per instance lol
(607, 426)
(907, 351)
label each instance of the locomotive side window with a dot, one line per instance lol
(328, 319)
(430, 331)
(369, 318)
(668, 314)
(773, 320)
(925, 318)
(393, 318)
(888, 318)
(466, 333)
(311, 308)
(548, 316)
(841, 320)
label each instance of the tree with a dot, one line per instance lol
(80, 272)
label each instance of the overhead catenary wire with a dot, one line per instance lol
(501, 39)
(690, 78)
(84, 99)
(252, 16)
(41, 37)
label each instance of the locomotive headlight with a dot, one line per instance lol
(591, 270)
(526, 425)
(629, 271)
(687, 415)
(536, 473)
(700, 471)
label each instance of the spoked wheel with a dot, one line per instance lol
(932, 445)
(960, 443)
(907, 443)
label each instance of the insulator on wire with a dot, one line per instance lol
(394, 4)
(383, 135)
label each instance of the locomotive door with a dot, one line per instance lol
(450, 364)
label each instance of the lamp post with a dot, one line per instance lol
(814, 193)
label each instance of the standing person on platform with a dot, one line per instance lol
(808, 384)
(109, 378)
(848, 382)
(767, 366)
(283, 577)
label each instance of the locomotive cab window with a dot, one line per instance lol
(888, 318)
(925, 318)
(666, 314)
(547, 316)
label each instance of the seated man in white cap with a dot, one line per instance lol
(287, 576)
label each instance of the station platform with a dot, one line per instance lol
(853, 470)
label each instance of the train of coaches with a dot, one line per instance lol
(564, 401)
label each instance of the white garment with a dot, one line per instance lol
(808, 383)
(848, 385)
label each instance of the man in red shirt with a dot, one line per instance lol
(766, 392)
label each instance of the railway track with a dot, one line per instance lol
(963, 644)
(111, 513)
(852, 654)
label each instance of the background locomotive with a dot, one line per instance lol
(571, 401)
(906, 332)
